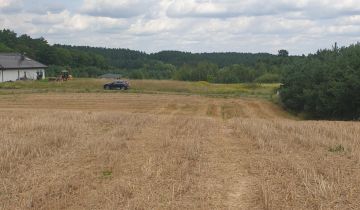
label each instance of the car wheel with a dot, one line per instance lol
(107, 87)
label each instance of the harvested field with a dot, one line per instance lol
(139, 151)
(144, 103)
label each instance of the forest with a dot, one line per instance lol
(324, 85)
(87, 61)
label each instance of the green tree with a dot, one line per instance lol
(283, 53)
(325, 85)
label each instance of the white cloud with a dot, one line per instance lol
(68, 22)
(156, 26)
(234, 8)
(230, 8)
(10, 6)
(192, 8)
(4, 3)
(119, 8)
(39, 7)
(349, 20)
(301, 26)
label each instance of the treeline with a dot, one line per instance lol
(186, 66)
(132, 59)
(325, 85)
(117, 57)
(40, 50)
(94, 61)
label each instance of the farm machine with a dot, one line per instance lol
(63, 76)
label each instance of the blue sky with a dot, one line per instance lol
(301, 26)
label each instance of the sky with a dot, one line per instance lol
(299, 26)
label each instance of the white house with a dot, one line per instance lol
(14, 66)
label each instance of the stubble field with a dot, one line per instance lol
(162, 151)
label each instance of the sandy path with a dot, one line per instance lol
(228, 161)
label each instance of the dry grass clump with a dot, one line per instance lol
(304, 165)
(67, 159)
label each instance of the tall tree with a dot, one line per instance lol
(283, 53)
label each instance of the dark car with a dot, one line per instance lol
(118, 85)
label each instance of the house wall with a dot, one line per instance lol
(9, 75)
(13, 75)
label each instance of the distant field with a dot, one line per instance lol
(65, 148)
(145, 86)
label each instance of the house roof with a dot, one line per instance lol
(18, 61)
